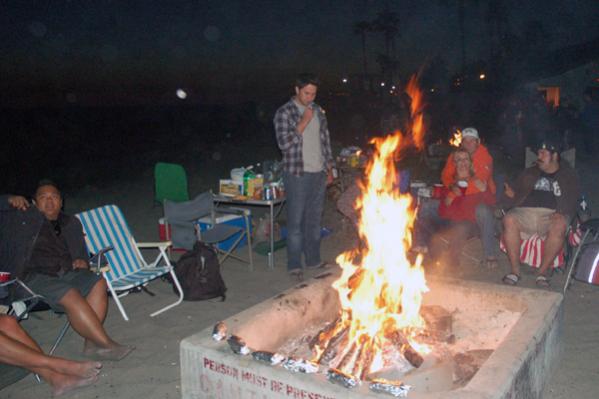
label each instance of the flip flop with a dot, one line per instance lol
(511, 279)
(542, 281)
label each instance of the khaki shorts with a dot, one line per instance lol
(532, 220)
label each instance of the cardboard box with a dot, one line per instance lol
(233, 220)
(230, 188)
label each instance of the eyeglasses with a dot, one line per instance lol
(57, 228)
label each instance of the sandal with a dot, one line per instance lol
(542, 281)
(511, 279)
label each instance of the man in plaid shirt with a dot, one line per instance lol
(303, 137)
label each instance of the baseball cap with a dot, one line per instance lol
(470, 132)
(550, 145)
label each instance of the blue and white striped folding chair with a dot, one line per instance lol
(106, 227)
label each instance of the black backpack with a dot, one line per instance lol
(198, 272)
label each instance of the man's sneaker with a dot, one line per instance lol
(296, 274)
(321, 265)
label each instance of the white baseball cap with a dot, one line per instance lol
(470, 132)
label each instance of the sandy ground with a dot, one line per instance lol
(152, 370)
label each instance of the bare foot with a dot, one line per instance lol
(116, 352)
(66, 384)
(77, 369)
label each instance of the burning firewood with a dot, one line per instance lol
(398, 339)
(364, 359)
(331, 346)
(324, 334)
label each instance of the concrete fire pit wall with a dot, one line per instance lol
(518, 368)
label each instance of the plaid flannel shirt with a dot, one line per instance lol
(291, 142)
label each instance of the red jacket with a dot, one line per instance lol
(482, 163)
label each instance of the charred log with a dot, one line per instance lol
(398, 339)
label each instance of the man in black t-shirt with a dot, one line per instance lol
(544, 199)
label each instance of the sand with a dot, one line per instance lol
(152, 370)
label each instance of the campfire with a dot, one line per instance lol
(380, 290)
(456, 140)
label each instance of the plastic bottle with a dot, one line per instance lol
(247, 176)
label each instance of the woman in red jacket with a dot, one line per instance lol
(462, 202)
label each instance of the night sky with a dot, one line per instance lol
(106, 50)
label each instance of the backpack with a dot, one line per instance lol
(198, 272)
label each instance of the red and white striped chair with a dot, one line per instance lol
(531, 249)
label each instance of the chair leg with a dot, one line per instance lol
(117, 300)
(172, 305)
(573, 261)
(248, 234)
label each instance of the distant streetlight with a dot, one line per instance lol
(433, 90)
(382, 84)
(482, 76)
(393, 87)
(181, 94)
(344, 80)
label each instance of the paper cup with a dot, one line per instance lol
(4, 277)
(437, 191)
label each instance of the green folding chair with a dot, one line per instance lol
(170, 183)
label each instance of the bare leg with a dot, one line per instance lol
(554, 241)
(19, 349)
(98, 301)
(85, 321)
(511, 239)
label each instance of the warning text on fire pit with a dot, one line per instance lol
(250, 378)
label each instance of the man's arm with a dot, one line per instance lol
(448, 173)
(13, 201)
(285, 128)
(73, 232)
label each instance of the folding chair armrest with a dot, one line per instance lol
(234, 210)
(156, 244)
(96, 260)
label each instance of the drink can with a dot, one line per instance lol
(268, 193)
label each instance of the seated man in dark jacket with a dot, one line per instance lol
(544, 199)
(47, 251)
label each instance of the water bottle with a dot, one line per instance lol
(247, 176)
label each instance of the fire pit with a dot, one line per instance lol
(376, 326)
(505, 341)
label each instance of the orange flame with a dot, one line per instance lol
(416, 111)
(380, 290)
(456, 140)
(383, 292)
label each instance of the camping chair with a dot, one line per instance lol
(20, 303)
(588, 229)
(182, 218)
(170, 183)
(106, 228)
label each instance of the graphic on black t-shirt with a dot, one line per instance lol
(544, 193)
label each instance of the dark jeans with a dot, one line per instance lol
(428, 222)
(305, 203)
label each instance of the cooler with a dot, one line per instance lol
(162, 234)
(233, 220)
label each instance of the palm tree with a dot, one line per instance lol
(461, 8)
(362, 28)
(387, 22)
